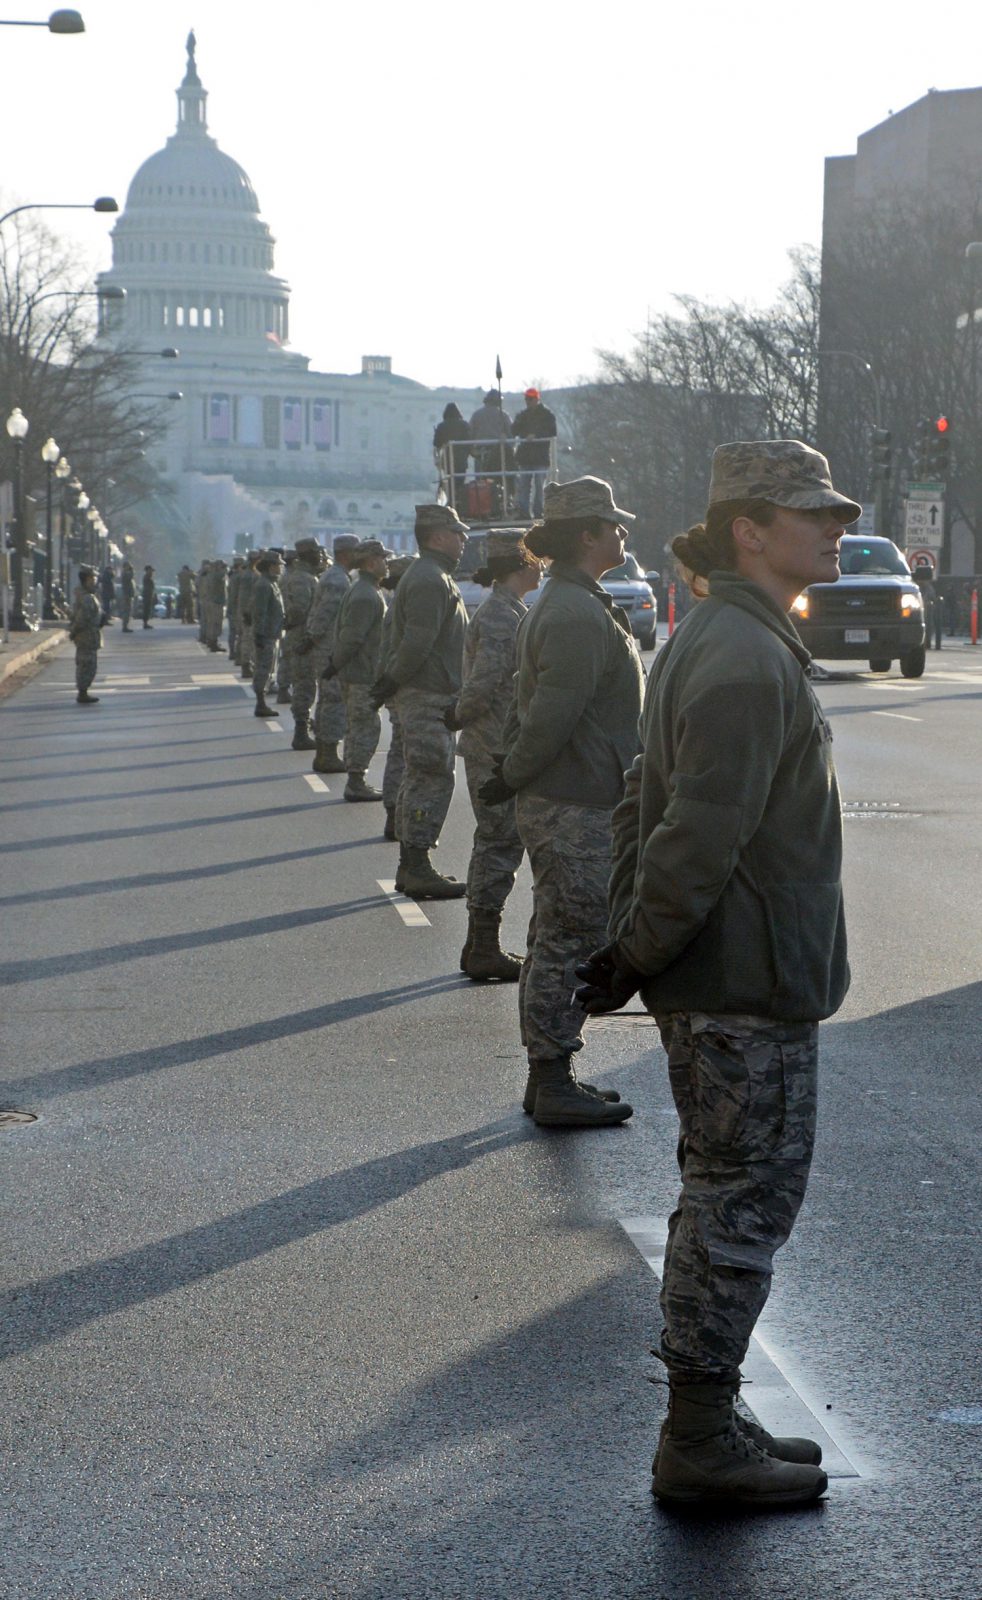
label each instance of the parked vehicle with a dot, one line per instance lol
(165, 604)
(634, 594)
(874, 612)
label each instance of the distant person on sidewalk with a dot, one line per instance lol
(107, 591)
(85, 634)
(149, 596)
(127, 590)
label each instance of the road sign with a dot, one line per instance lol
(921, 557)
(924, 522)
(925, 491)
(866, 526)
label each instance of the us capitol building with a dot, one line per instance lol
(260, 446)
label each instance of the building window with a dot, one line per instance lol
(192, 316)
(166, 315)
(250, 421)
(206, 317)
(271, 422)
(164, 252)
(292, 424)
(219, 419)
(192, 252)
(321, 430)
(153, 252)
(179, 317)
(221, 255)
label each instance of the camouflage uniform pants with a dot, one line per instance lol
(745, 1089)
(569, 853)
(213, 614)
(427, 785)
(497, 850)
(364, 726)
(303, 678)
(86, 666)
(284, 663)
(265, 665)
(233, 639)
(126, 609)
(247, 647)
(329, 718)
(395, 761)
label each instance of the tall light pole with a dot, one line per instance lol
(50, 454)
(880, 481)
(105, 202)
(17, 429)
(58, 22)
(63, 471)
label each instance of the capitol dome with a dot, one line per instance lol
(191, 250)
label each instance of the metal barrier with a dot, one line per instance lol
(491, 493)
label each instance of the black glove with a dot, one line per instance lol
(330, 671)
(303, 645)
(382, 689)
(495, 791)
(247, 619)
(608, 981)
(259, 641)
(450, 719)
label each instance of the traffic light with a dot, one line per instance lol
(881, 449)
(940, 448)
(925, 434)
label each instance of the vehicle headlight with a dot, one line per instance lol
(800, 606)
(911, 600)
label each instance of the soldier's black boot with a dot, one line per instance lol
(283, 697)
(706, 1457)
(301, 735)
(389, 831)
(562, 1102)
(262, 709)
(83, 698)
(401, 871)
(468, 941)
(357, 789)
(421, 880)
(485, 957)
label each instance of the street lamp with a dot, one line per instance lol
(58, 22)
(105, 202)
(50, 454)
(62, 473)
(17, 428)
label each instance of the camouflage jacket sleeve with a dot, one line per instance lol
(86, 615)
(424, 611)
(360, 615)
(490, 658)
(298, 597)
(323, 614)
(626, 829)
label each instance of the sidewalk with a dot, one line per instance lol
(22, 650)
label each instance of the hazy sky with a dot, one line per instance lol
(449, 181)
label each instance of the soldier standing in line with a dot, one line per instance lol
(267, 625)
(571, 735)
(127, 591)
(299, 590)
(213, 596)
(149, 596)
(284, 664)
(201, 585)
(185, 587)
(423, 672)
(726, 912)
(395, 760)
(247, 585)
(85, 633)
(480, 712)
(329, 717)
(233, 605)
(355, 659)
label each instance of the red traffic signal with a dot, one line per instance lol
(942, 425)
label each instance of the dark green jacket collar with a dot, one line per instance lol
(448, 563)
(750, 597)
(568, 573)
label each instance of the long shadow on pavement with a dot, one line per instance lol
(43, 1086)
(105, 797)
(36, 1313)
(100, 835)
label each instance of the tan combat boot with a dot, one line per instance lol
(706, 1457)
(485, 957)
(301, 735)
(327, 758)
(357, 789)
(561, 1102)
(532, 1088)
(421, 881)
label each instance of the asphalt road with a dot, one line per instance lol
(298, 1305)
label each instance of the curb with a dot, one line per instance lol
(26, 658)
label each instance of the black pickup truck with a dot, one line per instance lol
(874, 612)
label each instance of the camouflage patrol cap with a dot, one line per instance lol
(369, 548)
(507, 542)
(784, 471)
(438, 519)
(582, 497)
(400, 565)
(345, 541)
(307, 547)
(86, 572)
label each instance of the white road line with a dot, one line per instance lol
(122, 682)
(408, 910)
(316, 783)
(162, 688)
(271, 726)
(898, 715)
(905, 688)
(210, 678)
(778, 1405)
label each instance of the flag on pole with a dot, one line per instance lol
(497, 368)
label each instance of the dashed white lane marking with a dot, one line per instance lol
(408, 910)
(209, 679)
(123, 682)
(271, 726)
(316, 783)
(898, 715)
(161, 688)
(905, 688)
(778, 1405)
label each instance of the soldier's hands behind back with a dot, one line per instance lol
(383, 689)
(451, 720)
(303, 645)
(608, 981)
(330, 671)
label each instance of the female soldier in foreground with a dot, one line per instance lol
(726, 910)
(480, 711)
(571, 736)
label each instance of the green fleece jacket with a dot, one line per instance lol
(358, 631)
(726, 885)
(573, 729)
(425, 647)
